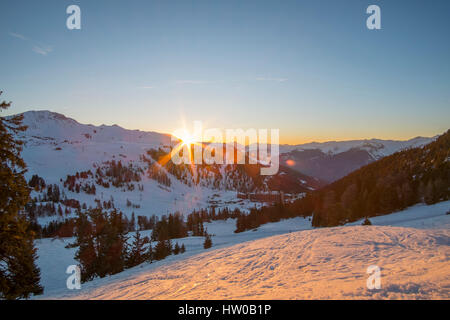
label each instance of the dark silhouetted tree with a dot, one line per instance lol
(19, 275)
(208, 242)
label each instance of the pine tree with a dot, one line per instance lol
(169, 248)
(102, 243)
(182, 249)
(86, 254)
(202, 229)
(19, 276)
(150, 254)
(208, 242)
(176, 249)
(113, 243)
(132, 223)
(160, 250)
(138, 250)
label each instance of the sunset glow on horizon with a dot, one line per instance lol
(312, 70)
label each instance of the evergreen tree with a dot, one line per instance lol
(138, 252)
(169, 247)
(182, 249)
(112, 243)
(150, 254)
(366, 222)
(176, 249)
(160, 250)
(19, 276)
(208, 242)
(86, 254)
(132, 223)
(102, 243)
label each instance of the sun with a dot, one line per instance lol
(186, 138)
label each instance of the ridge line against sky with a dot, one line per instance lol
(281, 144)
(311, 69)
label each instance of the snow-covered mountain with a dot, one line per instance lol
(57, 148)
(83, 162)
(377, 148)
(61, 129)
(333, 160)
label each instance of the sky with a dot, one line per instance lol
(310, 68)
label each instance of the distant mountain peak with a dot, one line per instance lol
(45, 114)
(49, 124)
(334, 159)
(377, 148)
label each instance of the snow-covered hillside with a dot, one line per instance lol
(56, 147)
(302, 263)
(377, 148)
(327, 263)
(331, 161)
(60, 128)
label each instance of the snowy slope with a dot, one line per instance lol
(327, 263)
(60, 128)
(54, 258)
(419, 216)
(377, 148)
(354, 246)
(57, 146)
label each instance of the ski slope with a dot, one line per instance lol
(284, 260)
(315, 264)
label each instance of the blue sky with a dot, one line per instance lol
(308, 67)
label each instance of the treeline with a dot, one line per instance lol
(54, 229)
(72, 185)
(243, 178)
(64, 228)
(274, 213)
(119, 175)
(387, 185)
(171, 227)
(50, 201)
(111, 173)
(164, 228)
(196, 219)
(103, 248)
(156, 172)
(35, 210)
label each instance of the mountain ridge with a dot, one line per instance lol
(326, 147)
(327, 161)
(75, 158)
